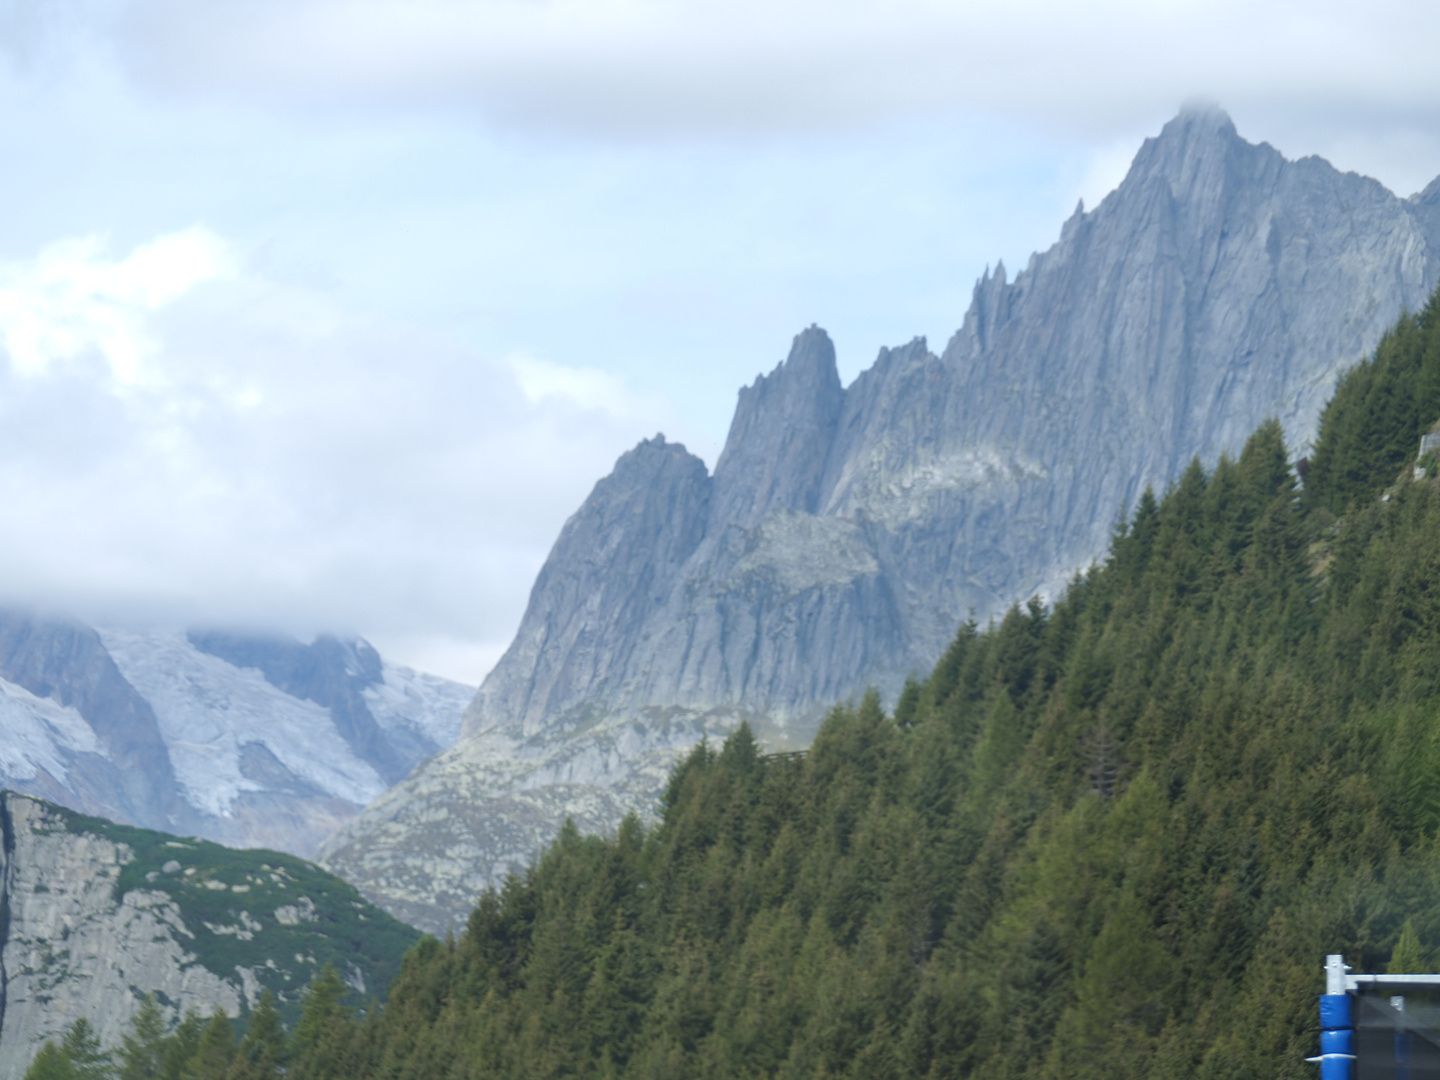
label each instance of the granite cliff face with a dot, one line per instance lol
(250, 741)
(847, 532)
(94, 916)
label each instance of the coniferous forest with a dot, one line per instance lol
(1112, 838)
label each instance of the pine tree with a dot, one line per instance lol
(142, 1048)
(215, 1050)
(88, 1058)
(51, 1063)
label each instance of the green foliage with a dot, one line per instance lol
(1372, 426)
(1115, 838)
(214, 1050)
(51, 1063)
(78, 1056)
(142, 1048)
(81, 1046)
(197, 1049)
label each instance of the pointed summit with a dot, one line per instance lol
(780, 436)
(1203, 113)
(1196, 132)
(1198, 154)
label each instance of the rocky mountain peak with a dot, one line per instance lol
(1200, 159)
(614, 563)
(850, 532)
(780, 437)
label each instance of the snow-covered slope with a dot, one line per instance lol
(40, 735)
(212, 717)
(153, 728)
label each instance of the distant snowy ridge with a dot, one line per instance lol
(40, 735)
(153, 728)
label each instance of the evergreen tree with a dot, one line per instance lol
(142, 1048)
(214, 1050)
(87, 1057)
(51, 1063)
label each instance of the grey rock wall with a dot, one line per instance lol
(848, 532)
(94, 916)
(69, 949)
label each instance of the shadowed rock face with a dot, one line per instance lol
(331, 673)
(846, 533)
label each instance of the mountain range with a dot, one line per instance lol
(847, 531)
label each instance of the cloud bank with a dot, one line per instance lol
(631, 67)
(182, 440)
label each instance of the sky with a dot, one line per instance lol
(324, 315)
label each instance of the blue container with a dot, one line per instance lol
(1335, 1011)
(1337, 1037)
(1341, 1041)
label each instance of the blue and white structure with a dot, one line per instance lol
(1366, 1030)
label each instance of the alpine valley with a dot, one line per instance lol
(1092, 834)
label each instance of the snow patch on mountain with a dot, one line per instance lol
(424, 703)
(40, 734)
(209, 711)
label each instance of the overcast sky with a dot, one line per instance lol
(325, 314)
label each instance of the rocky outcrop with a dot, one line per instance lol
(848, 532)
(250, 741)
(484, 808)
(620, 557)
(93, 917)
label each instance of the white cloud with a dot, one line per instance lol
(73, 298)
(580, 387)
(284, 462)
(631, 66)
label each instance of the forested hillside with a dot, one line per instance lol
(1111, 839)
